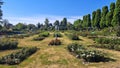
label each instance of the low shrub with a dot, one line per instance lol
(6, 44)
(86, 54)
(57, 35)
(38, 38)
(55, 42)
(107, 41)
(108, 46)
(118, 31)
(88, 34)
(44, 34)
(73, 37)
(94, 56)
(17, 57)
(18, 36)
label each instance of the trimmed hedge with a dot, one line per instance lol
(86, 54)
(6, 44)
(17, 57)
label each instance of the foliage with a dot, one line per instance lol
(44, 34)
(103, 18)
(20, 26)
(116, 17)
(110, 14)
(107, 46)
(118, 32)
(55, 42)
(78, 24)
(93, 18)
(98, 18)
(74, 37)
(18, 36)
(107, 41)
(17, 57)
(57, 34)
(86, 54)
(6, 44)
(38, 38)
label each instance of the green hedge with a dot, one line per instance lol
(86, 54)
(17, 57)
(6, 44)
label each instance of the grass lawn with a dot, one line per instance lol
(58, 56)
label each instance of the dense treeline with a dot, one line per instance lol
(101, 18)
(108, 16)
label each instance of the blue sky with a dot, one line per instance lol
(34, 11)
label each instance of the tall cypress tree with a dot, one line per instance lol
(84, 21)
(110, 14)
(98, 18)
(88, 20)
(93, 18)
(103, 18)
(116, 17)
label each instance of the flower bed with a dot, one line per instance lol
(6, 44)
(17, 57)
(55, 42)
(86, 54)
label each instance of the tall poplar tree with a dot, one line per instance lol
(116, 17)
(103, 18)
(110, 14)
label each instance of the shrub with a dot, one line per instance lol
(44, 34)
(16, 58)
(55, 42)
(57, 34)
(74, 46)
(7, 44)
(38, 38)
(118, 32)
(18, 36)
(94, 56)
(84, 34)
(86, 54)
(73, 37)
(108, 46)
(107, 41)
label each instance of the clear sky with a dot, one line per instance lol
(34, 11)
